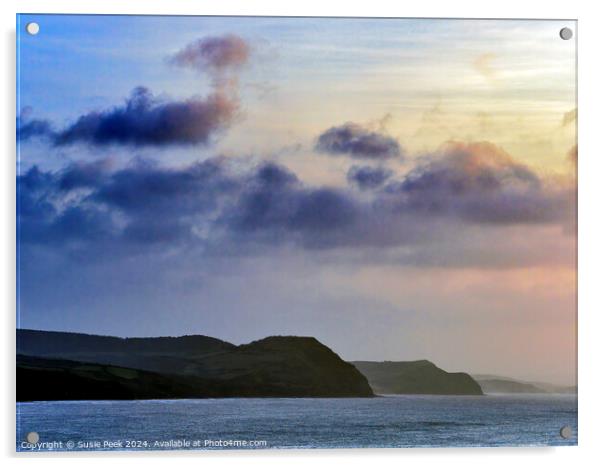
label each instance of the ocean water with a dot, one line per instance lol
(239, 423)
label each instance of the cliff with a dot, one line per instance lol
(281, 366)
(416, 377)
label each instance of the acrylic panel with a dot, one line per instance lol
(270, 232)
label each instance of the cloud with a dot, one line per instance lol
(219, 57)
(573, 156)
(147, 189)
(147, 121)
(569, 117)
(358, 142)
(366, 177)
(83, 174)
(33, 189)
(42, 222)
(222, 208)
(142, 203)
(275, 207)
(213, 54)
(33, 128)
(478, 182)
(483, 65)
(460, 168)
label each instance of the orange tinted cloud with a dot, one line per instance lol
(483, 64)
(569, 117)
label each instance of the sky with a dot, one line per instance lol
(398, 188)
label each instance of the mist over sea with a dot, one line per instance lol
(384, 421)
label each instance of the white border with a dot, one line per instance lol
(590, 227)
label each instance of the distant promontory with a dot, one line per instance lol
(416, 377)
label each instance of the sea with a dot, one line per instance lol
(397, 421)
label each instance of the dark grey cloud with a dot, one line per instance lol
(358, 142)
(41, 221)
(33, 128)
(30, 128)
(469, 168)
(220, 208)
(147, 188)
(145, 120)
(481, 183)
(33, 191)
(143, 203)
(213, 54)
(274, 207)
(83, 174)
(366, 177)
